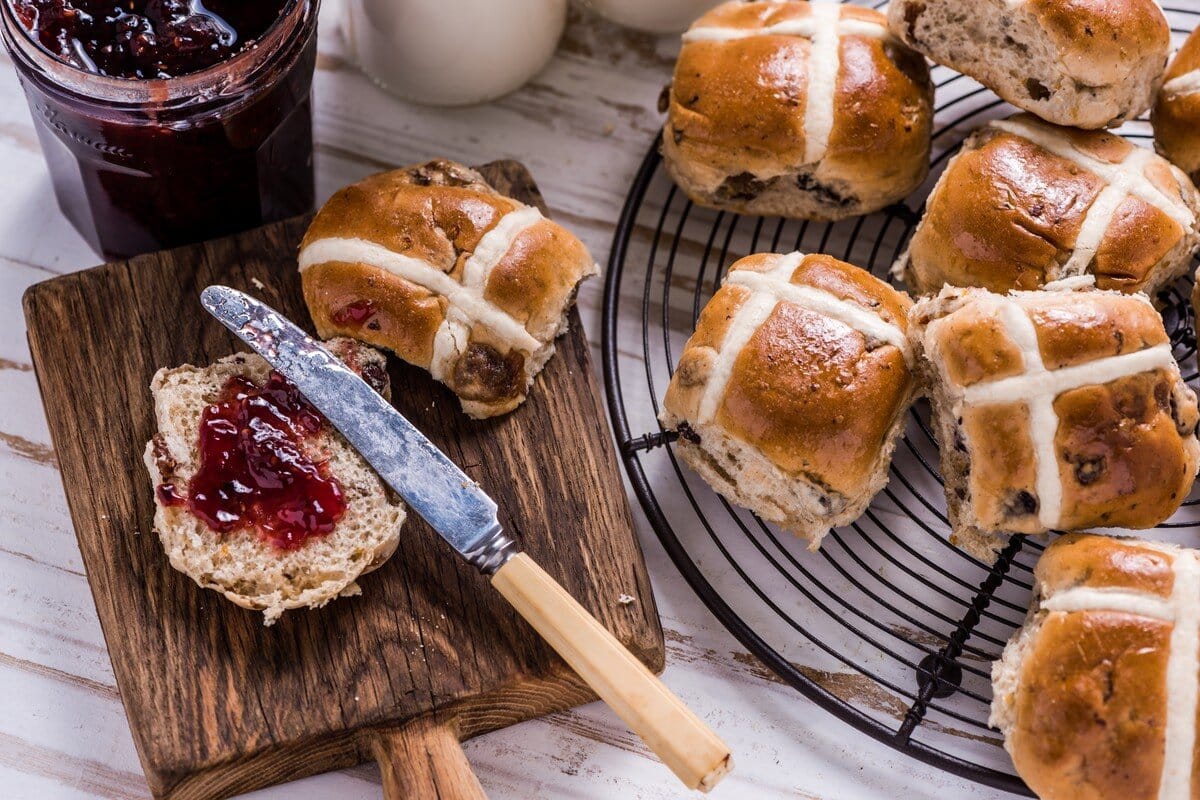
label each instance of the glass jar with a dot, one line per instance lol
(139, 165)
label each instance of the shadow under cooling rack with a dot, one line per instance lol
(888, 627)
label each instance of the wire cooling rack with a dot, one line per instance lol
(889, 627)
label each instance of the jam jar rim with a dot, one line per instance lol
(225, 80)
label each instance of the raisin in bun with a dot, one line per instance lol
(1024, 203)
(1096, 693)
(790, 395)
(803, 110)
(435, 265)
(1176, 116)
(1059, 409)
(1086, 63)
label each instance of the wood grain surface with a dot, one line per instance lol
(217, 703)
(423, 758)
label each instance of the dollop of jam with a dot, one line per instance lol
(255, 471)
(146, 38)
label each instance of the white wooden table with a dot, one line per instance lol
(582, 126)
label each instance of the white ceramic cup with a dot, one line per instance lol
(653, 16)
(452, 52)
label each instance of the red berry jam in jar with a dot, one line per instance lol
(256, 466)
(165, 122)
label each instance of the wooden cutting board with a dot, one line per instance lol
(429, 654)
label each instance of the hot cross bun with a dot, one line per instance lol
(435, 265)
(1025, 203)
(1176, 116)
(1054, 410)
(1086, 63)
(807, 110)
(1096, 693)
(791, 393)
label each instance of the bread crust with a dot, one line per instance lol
(1125, 449)
(1112, 672)
(240, 564)
(736, 138)
(1082, 692)
(1084, 63)
(437, 215)
(1176, 114)
(1103, 562)
(804, 421)
(1007, 214)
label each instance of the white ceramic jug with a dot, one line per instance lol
(452, 52)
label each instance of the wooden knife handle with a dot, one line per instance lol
(424, 759)
(642, 701)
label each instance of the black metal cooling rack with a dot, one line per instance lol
(888, 627)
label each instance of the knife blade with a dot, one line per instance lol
(432, 485)
(463, 514)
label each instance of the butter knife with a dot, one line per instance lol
(463, 514)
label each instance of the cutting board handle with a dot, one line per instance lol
(424, 759)
(668, 727)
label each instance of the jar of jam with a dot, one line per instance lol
(165, 122)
